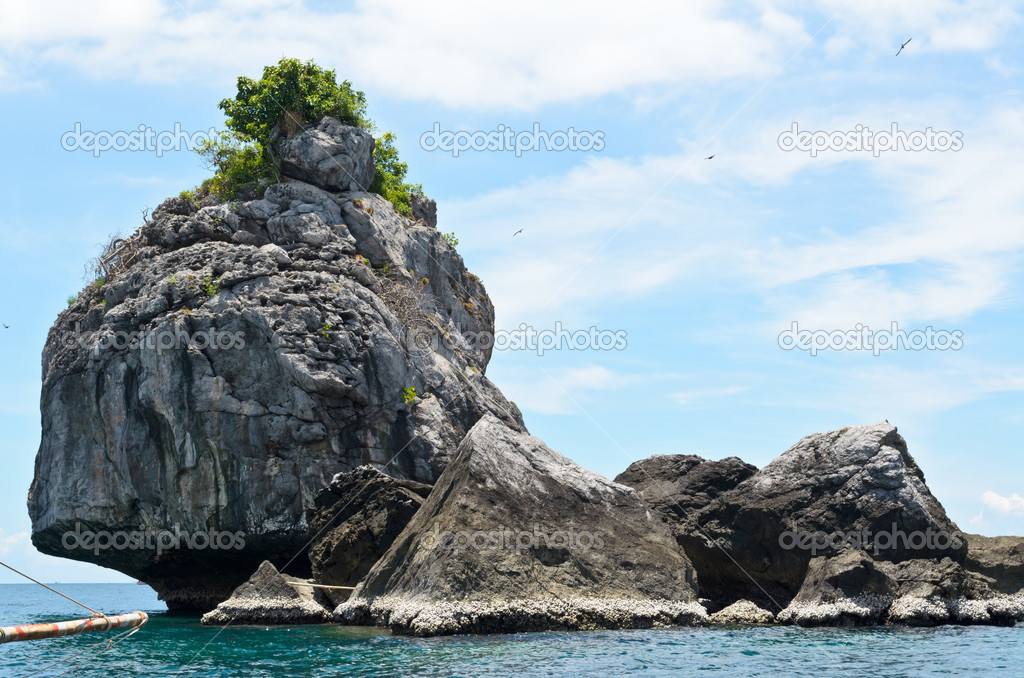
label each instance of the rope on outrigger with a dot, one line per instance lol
(96, 623)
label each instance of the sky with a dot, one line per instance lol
(702, 266)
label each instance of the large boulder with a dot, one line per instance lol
(243, 354)
(332, 155)
(353, 523)
(269, 597)
(741, 613)
(999, 558)
(855, 487)
(516, 537)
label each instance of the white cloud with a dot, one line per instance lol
(464, 54)
(689, 397)
(934, 25)
(1014, 504)
(12, 541)
(561, 391)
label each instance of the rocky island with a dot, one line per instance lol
(315, 386)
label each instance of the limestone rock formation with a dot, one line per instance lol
(740, 613)
(999, 558)
(332, 155)
(681, 483)
(756, 540)
(424, 208)
(247, 353)
(516, 537)
(854, 589)
(269, 597)
(354, 522)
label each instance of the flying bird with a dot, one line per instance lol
(6, 326)
(904, 45)
(517, 232)
(710, 156)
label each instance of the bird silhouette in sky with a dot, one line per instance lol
(710, 156)
(904, 45)
(6, 326)
(517, 232)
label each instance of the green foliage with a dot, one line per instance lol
(210, 286)
(326, 330)
(72, 299)
(451, 239)
(291, 95)
(304, 90)
(191, 197)
(241, 168)
(100, 282)
(389, 181)
(408, 395)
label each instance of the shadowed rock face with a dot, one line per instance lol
(680, 484)
(354, 522)
(999, 558)
(280, 336)
(516, 537)
(845, 481)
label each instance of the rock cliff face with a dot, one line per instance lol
(274, 343)
(515, 537)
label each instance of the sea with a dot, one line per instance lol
(171, 645)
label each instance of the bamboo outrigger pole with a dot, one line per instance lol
(9, 634)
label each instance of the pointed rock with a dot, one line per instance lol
(516, 537)
(270, 597)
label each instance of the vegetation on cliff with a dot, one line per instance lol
(290, 96)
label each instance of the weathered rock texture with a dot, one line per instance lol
(332, 155)
(424, 208)
(354, 522)
(284, 333)
(516, 537)
(840, 482)
(680, 484)
(999, 558)
(854, 589)
(269, 597)
(740, 613)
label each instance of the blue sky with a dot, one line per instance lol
(702, 263)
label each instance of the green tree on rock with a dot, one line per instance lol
(289, 97)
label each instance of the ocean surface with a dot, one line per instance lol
(179, 646)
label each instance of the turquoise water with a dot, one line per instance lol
(179, 646)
